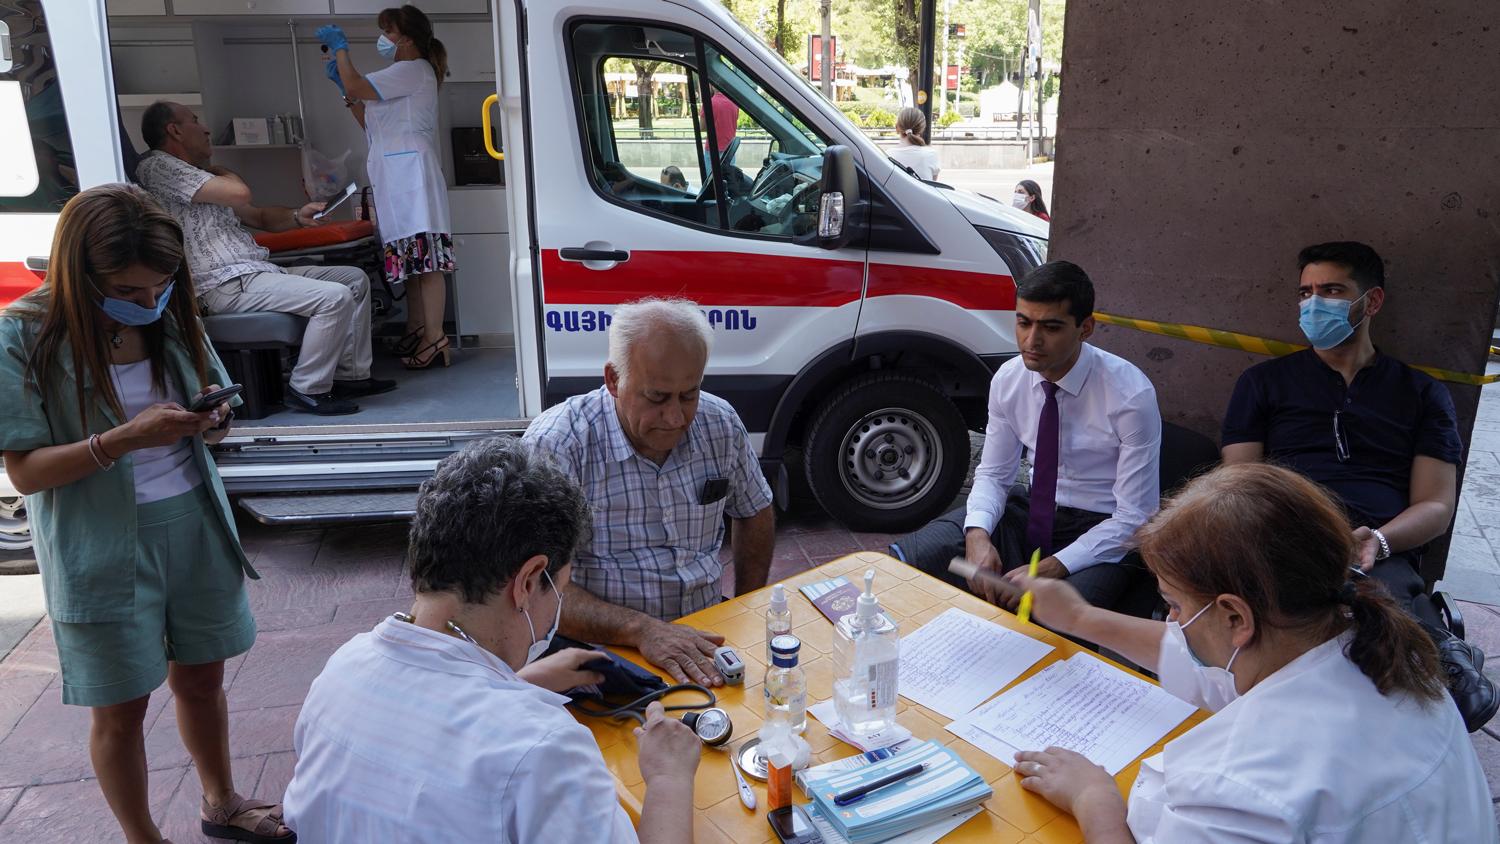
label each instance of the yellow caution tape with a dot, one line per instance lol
(1260, 345)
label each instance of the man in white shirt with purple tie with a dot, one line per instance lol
(1089, 421)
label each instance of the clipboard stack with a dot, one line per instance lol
(946, 788)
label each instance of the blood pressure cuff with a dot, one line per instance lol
(624, 681)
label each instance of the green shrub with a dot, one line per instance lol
(879, 118)
(950, 117)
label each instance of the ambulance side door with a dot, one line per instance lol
(713, 195)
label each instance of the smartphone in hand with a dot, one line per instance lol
(209, 401)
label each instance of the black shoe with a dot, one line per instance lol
(362, 387)
(1472, 691)
(325, 405)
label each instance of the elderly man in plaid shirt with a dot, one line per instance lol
(662, 464)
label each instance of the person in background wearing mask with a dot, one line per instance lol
(446, 723)
(1379, 434)
(398, 108)
(1090, 422)
(911, 150)
(1028, 198)
(1329, 722)
(141, 564)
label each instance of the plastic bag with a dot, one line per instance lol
(323, 177)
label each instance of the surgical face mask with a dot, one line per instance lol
(129, 313)
(1184, 675)
(1326, 321)
(1020, 199)
(385, 47)
(539, 646)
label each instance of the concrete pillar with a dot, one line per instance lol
(1202, 144)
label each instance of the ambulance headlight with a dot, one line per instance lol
(1021, 253)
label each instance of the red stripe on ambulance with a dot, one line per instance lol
(968, 290)
(731, 279)
(16, 281)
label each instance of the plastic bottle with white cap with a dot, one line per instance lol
(866, 652)
(778, 619)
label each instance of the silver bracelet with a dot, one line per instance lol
(95, 454)
(1385, 547)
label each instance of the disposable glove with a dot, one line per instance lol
(332, 69)
(333, 37)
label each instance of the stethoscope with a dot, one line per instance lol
(710, 723)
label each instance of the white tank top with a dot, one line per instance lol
(162, 472)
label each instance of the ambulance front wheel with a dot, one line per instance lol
(16, 556)
(887, 453)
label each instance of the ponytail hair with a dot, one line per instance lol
(1283, 545)
(911, 124)
(1389, 646)
(414, 24)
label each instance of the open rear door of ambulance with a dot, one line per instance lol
(671, 155)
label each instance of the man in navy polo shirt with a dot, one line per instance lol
(1380, 435)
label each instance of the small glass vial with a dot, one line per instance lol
(778, 619)
(786, 685)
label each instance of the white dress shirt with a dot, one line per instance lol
(1315, 753)
(410, 735)
(1109, 450)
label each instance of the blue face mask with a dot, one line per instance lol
(1326, 321)
(385, 47)
(129, 313)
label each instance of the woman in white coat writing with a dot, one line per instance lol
(398, 108)
(1331, 724)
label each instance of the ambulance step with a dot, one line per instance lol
(341, 508)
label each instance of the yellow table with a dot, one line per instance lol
(912, 599)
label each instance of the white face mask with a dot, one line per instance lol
(539, 646)
(1184, 675)
(1020, 199)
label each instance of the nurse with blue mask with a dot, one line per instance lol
(1330, 720)
(397, 106)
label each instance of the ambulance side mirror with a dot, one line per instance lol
(840, 197)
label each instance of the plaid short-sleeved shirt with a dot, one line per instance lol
(655, 548)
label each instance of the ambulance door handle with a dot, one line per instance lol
(579, 253)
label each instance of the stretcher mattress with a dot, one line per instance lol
(314, 237)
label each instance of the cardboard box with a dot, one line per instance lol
(251, 131)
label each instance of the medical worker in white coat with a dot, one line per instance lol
(398, 108)
(1331, 721)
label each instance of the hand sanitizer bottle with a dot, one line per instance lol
(778, 620)
(866, 652)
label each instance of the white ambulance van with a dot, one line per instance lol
(859, 312)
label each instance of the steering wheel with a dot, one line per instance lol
(726, 161)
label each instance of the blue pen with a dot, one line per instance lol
(858, 793)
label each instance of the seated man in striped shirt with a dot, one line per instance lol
(662, 463)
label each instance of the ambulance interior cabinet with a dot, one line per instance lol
(250, 7)
(135, 7)
(431, 7)
(481, 249)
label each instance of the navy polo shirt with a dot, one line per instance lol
(1390, 414)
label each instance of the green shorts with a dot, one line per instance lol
(190, 607)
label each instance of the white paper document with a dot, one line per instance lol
(929, 834)
(829, 715)
(1083, 704)
(954, 662)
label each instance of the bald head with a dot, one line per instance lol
(658, 350)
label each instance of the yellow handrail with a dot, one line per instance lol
(484, 119)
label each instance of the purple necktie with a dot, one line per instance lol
(1044, 477)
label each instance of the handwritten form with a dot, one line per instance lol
(1083, 704)
(954, 662)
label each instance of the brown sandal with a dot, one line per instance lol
(264, 819)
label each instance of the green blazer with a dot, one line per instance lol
(85, 532)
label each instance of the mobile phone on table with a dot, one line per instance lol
(792, 826)
(209, 401)
(344, 194)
